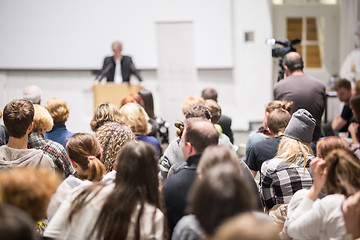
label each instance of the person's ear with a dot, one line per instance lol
(30, 127)
(75, 165)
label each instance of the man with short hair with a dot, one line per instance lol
(198, 134)
(18, 119)
(342, 121)
(266, 149)
(306, 92)
(33, 94)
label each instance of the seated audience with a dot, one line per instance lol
(18, 120)
(225, 121)
(29, 189)
(263, 132)
(126, 209)
(105, 112)
(322, 218)
(33, 94)
(267, 149)
(59, 111)
(135, 117)
(342, 121)
(112, 137)
(84, 151)
(289, 171)
(247, 226)
(43, 123)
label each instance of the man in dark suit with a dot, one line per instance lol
(118, 68)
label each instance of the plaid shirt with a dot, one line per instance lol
(54, 150)
(279, 180)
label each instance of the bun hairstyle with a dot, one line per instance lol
(271, 106)
(85, 150)
(179, 128)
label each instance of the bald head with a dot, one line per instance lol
(294, 62)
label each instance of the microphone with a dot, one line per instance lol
(104, 72)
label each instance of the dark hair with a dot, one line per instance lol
(209, 93)
(136, 183)
(293, 61)
(275, 104)
(220, 194)
(355, 106)
(278, 120)
(343, 171)
(342, 83)
(16, 224)
(18, 115)
(85, 150)
(200, 133)
(147, 97)
(197, 111)
(215, 110)
(327, 144)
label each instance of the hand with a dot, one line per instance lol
(319, 172)
(353, 128)
(351, 211)
(142, 85)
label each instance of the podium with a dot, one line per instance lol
(113, 93)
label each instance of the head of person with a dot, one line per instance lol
(116, 47)
(147, 97)
(293, 62)
(220, 194)
(327, 144)
(58, 110)
(356, 88)
(29, 189)
(209, 93)
(16, 224)
(136, 183)
(247, 226)
(295, 145)
(105, 112)
(84, 151)
(275, 104)
(343, 90)
(215, 110)
(343, 171)
(18, 117)
(132, 98)
(355, 107)
(278, 120)
(112, 137)
(33, 94)
(43, 121)
(198, 134)
(189, 101)
(134, 116)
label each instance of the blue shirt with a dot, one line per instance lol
(59, 134)
(150, 139)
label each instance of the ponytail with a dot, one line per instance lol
(96, 169)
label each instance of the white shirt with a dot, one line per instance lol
(118, 76)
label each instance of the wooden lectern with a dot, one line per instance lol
(113, 93)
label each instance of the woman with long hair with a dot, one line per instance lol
(129, 208)
(339, 175)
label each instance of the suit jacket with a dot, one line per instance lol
(225, 123)
(127, 68)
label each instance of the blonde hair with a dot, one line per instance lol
(116, 45)
(105, 112)
(29, 189)
(293, 151)
(135, 117)
(42, 119)
(189, 101)
(58, 110)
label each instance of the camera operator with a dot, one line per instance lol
(306, 92)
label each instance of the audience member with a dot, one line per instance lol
(306, 92)
(247, 226)
(263, 132)
(127, 209)
(289, 171)
(351, 212)
(29, 189)
(43, 123)
(198, 134)
(4, 135)
(267, 149)
(105, 112)
(354, 127)
(225, 121)
(112, 137)
(323, 218)
(33, 94)
(135, 117)
(190, 101)
(327, 144)
(59, 111)
(18, 120)
(132, 98)
(342, 121)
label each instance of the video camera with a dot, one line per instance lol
(281, 52)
